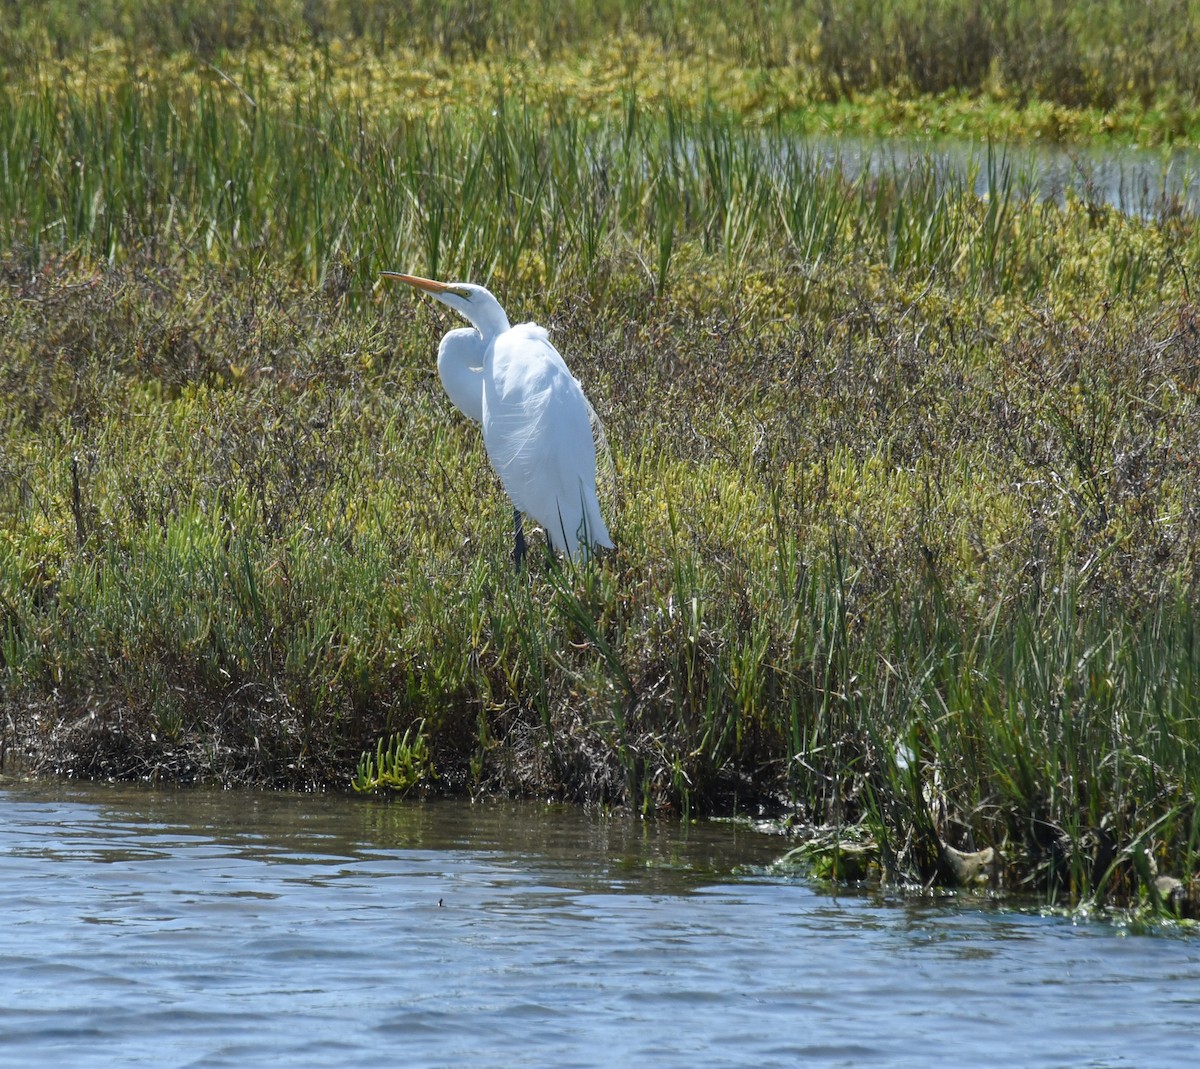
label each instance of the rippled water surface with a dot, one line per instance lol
(237, 929)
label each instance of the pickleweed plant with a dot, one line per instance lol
(400, 764)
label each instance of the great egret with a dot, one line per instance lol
(536, 421)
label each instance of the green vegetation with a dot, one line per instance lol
(1122, 69)
(906, 479)
(399, 766)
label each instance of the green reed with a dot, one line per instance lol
(505, 192)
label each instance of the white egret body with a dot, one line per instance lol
(536, 421)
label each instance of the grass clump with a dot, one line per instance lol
(904, 501)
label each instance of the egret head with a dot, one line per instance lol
(473, 303)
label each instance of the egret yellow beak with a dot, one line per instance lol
(429, 285)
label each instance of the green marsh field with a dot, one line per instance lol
(905, 479)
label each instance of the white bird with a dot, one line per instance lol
(537, 423)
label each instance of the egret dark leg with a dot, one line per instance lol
(519, 547)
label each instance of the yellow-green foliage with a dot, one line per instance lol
(1032, 69)
(400, 765)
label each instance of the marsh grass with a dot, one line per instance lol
(509, 193)
(904, 498)
(1145, 52)
(253, 578)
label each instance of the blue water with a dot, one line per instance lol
(233, 929)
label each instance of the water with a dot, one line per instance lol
(204, 929)
(1144, 183)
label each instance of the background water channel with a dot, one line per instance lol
(1143, 183)
(219, 929)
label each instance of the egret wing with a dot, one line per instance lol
(537, 427)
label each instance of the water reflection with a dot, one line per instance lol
(1144, 183)
(174, 928)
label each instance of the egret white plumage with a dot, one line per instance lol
(537, 423)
